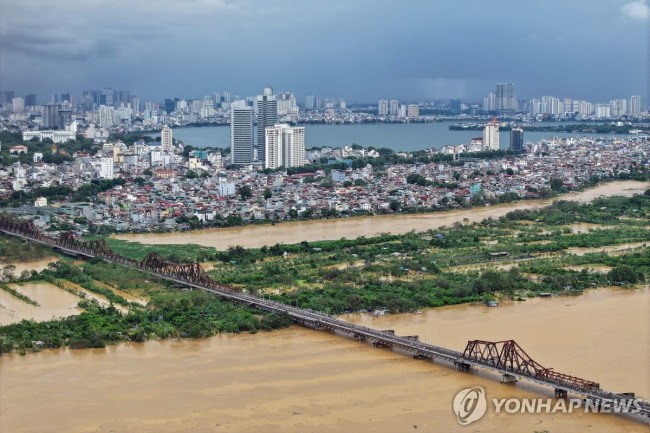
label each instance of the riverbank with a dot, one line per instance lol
(256, 236)
(516, 257)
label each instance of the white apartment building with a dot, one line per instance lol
(284, 146)
(166, 141)
(106, 168)
(382, 107)
(491, 135)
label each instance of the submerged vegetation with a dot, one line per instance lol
(183, 314)
(561, 249)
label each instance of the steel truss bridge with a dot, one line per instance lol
(506, 358)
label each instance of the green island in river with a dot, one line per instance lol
(562, 249)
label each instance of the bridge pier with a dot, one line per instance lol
(462, 366)
(420, 355)
(359, 337)
(560, 393)
(508, 378)
(380, 344)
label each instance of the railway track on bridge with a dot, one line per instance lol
(506, 358)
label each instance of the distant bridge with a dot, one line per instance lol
(504, 357)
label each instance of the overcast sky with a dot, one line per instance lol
(362, 50)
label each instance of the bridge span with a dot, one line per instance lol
(506, 358)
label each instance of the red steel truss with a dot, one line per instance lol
(508, 356)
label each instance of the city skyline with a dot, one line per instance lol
(438, 50)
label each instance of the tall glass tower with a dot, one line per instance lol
(267, 116)
(241, 134)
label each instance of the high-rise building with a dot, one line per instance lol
(6, 96)
(50, 116)
(105, 116)
(517, 140)
(382, 107)
(241, 133)
(490, 103)
(285, 146)
(394, 107)
(107, 96)
(491, 135)
(413, 111)
(106, 168)
(551, 105)
(602, 110)
(166, 140)
(634, 108)
(267, 115)
(64, 116)
(135, 105)
(618, 107)
(455, 106)
(506, 98)
(310, 102)
(30, 100)
(18, 105)
(287, 103)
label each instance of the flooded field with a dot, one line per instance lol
(610, 249)
(295, 232)
(53, 302)
(299, 380)
(36, 265)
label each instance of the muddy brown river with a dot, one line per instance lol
(299, 380)
(294, 232)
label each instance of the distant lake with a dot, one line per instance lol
(399, 137)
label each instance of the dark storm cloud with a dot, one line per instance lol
(43, 46)
(361, 50)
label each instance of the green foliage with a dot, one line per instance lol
(16, 250)
(180, 253)
(625, 274)
(64, 150)
(245, 192)
(89, 191)
(66, 271)
(184, 314)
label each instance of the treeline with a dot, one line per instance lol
(64, 151)
(52, 193)
(87, 192)
(185, 314)
(602, 210)
(13, 249)
(129, 138)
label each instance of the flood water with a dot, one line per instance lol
(53, 302)
(295, 232)
(299, 380)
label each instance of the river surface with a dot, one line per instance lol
(256, 236)
(399, 137)
(299, 380)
